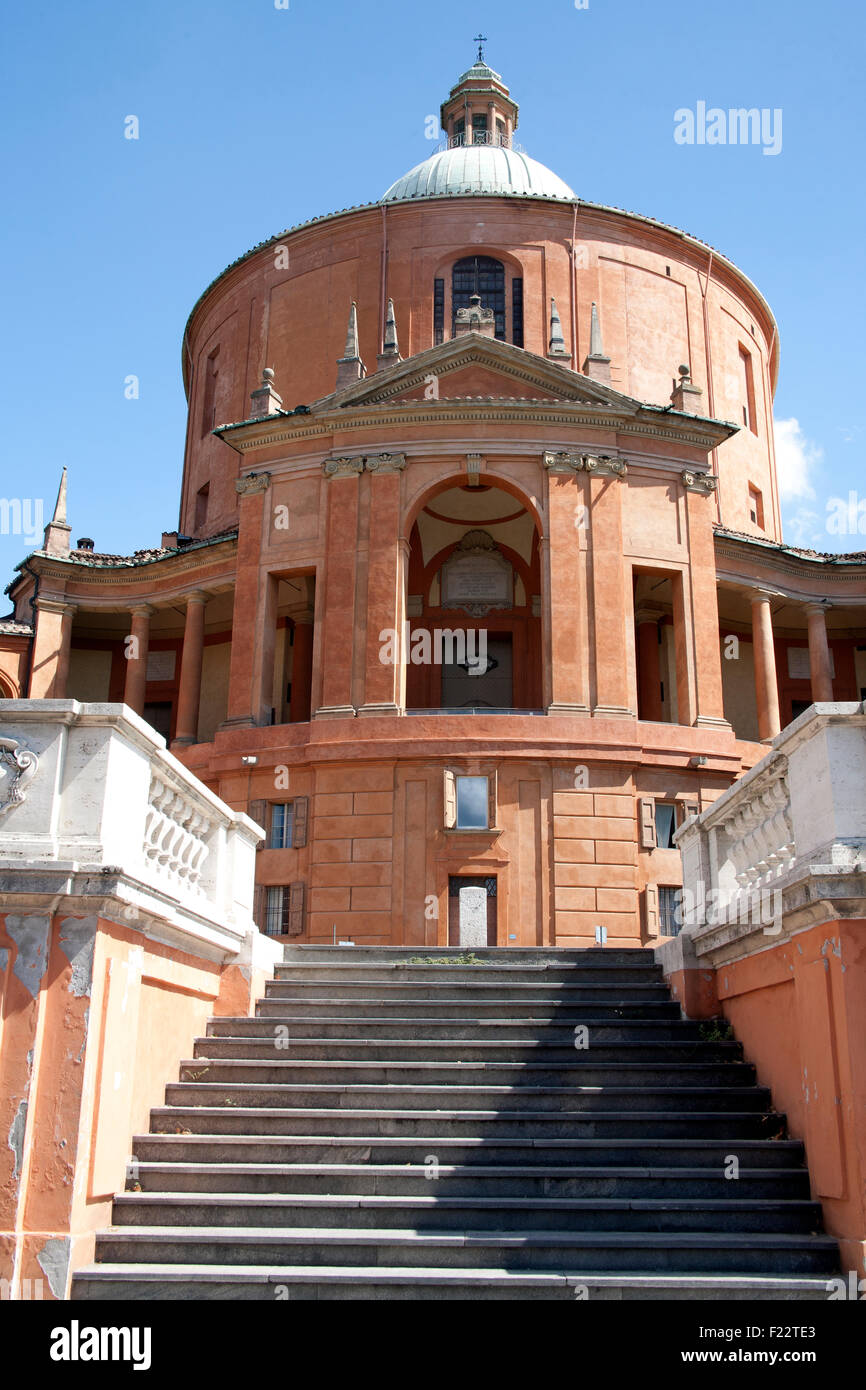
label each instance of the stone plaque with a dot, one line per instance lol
(477, 580)
(160, 666)
(473, 916)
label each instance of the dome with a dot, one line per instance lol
(479, 169)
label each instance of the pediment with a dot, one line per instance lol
(474, 366)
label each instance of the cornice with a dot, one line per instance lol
(485, 411)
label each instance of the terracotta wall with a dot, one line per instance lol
(94, 1019)
(797, 1008)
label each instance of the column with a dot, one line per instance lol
(820, 669)
(613, 696)
(189, 694)
(766, 685)
(705, 651)
(383, 681)
(254, 611)
(340, 581)
(136, 657)
(52, 645)
(566, 683)
(302, 667)
(649, 670)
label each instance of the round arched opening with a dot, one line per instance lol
(474, 603)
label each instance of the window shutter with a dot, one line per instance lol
(491, 801)
(294, 905)
(300, 807)
(258, 811)
(691, 808)
(647, 809)
(260, 906)
(450, 782)
(651, 909)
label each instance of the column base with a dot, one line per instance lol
(557, 708)
(240, 721)
(613, 712)
(335, 712)
(366, 711)
(711, 721)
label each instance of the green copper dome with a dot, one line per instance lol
(469, 170)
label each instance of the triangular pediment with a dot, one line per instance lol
(474, 367)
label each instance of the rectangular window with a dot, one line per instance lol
(201, 506)
(669, 923)
(748, 390)
(472, 803)
(282, 818)
(517, 311)
(438, 311)
(756, 507)
(208, 412)
(284, 910)
(666, 824)
(479, 130)
(460, 131)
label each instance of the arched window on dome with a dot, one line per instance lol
(484, 276)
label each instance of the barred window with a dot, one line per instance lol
(484, 276)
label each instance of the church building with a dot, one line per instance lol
(478, 590)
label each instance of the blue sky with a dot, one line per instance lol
(253, 118)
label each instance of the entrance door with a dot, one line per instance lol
(471, 911)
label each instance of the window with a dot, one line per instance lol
(472, 803)
(756, 507)
(484, 276)
(460, 131)
(747, 381)
(666, 824)
(280, 836)
(479, 130)
(438, 311)
(208, 412)
(284, 821)
(201, 505)
(283, 909)
(669, 914)
(517, 311)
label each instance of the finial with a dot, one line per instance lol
(480, 39)
(597, 363)
(59, 516)
(390, 349)
(350, 367)
(595, 347)
(265, 400)
(556, 343)
(351, 352)
(57, 532)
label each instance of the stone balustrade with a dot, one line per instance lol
(783, 842)
(107, 799)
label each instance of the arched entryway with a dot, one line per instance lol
(474, 603)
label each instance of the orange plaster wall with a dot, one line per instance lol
(797, 1008)
(84, 1054)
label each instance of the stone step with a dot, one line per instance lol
(460, 976)
(490, 1128)
(548, 992)
(444, 1213)
(587, 958)
(478, 1153)
(398, 1071)
(289, 1045)
(540, 1013)
(448, 1179)
(512, 1030)
(456, 1096)
(214, 1282)
(588, 1251)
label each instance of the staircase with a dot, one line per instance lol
(402, 1124)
